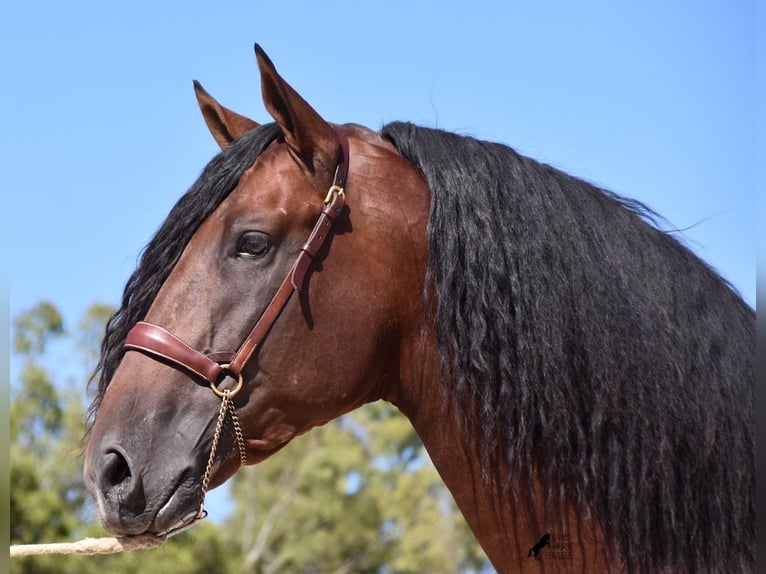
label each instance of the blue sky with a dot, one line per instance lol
(654, 100)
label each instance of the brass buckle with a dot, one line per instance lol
(334, 189)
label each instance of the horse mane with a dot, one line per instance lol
(589, 347)
(217, 181)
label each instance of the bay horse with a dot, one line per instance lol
(571, 368)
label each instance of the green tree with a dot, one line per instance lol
(39, 504)
(90, 331)
(356, 495)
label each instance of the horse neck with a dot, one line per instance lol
(506, 525)
(437, 425)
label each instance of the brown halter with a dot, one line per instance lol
(213, 368)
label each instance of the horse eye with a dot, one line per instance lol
(253, 245)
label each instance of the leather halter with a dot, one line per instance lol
(163, 345)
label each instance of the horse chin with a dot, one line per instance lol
(181, 506)
(176, 515)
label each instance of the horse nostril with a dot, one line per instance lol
(116, 470)
(119, 489)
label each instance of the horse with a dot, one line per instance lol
(570, 366)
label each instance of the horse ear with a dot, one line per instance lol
(224, 124)
(309, 138)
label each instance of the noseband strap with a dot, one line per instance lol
(163, 345)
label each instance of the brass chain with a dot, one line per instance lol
(227, 405)
(238, 433)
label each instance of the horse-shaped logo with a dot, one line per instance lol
(537, 548)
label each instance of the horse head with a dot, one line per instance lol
(331, 347)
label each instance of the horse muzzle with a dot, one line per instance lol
(134, 498)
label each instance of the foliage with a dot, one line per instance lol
(356, 495)
(41, 488)
(351, 496)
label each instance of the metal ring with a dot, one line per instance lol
(226, 392)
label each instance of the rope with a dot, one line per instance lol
(90, 546)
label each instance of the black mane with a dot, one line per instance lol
(216, 182)
(594, 349)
